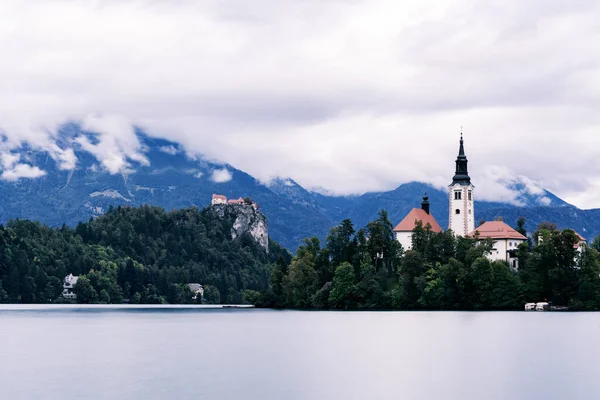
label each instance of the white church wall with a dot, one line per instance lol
(463, 222)
(501, 251)
(405, 239)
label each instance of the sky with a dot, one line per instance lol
(343, 96)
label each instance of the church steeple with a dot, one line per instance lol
(461, 219)
(462, 174)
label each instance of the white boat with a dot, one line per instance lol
(542, 306)
(530, 307)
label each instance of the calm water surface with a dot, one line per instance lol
(81, 353)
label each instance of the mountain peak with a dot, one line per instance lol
(160, 172)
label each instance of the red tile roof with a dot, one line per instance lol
(417, 214)
(497, 230)
(219, 196)
(581, 239)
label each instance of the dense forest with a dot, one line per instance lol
(147, 255)
(144, 255)
(368, 269)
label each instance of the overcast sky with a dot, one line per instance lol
(344, 95)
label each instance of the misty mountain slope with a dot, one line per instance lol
(166, 176)
(400, 201)
(170, 180)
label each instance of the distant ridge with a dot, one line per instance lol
(171, 179)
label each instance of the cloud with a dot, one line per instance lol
(19, 171)
(343, 95)
(172, 150)
(220, 175)
(544, 201)
(117, 143)
(9, 160)
(195, 172)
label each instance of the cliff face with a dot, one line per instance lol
(245, 220)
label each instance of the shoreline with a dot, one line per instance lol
(120, 307)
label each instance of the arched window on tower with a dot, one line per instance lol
(457, 211)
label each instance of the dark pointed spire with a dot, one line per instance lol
(462, 174)
(425, 203)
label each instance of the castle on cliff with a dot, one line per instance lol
(219, 199)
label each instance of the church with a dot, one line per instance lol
(461, 219)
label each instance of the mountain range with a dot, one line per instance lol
(171, 178)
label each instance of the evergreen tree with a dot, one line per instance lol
(343, 290)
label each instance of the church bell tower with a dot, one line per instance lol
(462, 200)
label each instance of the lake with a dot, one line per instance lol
(190, 353)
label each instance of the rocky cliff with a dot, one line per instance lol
(246, 219)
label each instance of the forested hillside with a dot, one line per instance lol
(368, 269)
(143, 254)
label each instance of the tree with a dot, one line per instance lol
(369, 292)
(343, 289)
(548, 226)
(3, 294)
(321, 298)
(340, 244)
(521, 226)
(104, 297)
(588, 282)
(507, 291)
(412, 270)
(383, 248)
(211, 295)
(434, 293)
(278, 274)
(136, 298)
(53, 289)
(302, 280)
(482, 279)
(595, 244)
(86, 294)
(251, 296)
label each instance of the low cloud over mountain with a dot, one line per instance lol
(349, 96)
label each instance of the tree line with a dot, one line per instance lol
(137, 254)
(147, 255)
(368, 269)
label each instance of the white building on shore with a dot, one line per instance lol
(68, 284)
(506, 241)
(196, 289)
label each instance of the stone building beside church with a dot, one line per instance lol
(403, 231)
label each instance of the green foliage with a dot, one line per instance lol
(85, 292)
(343, 289)
(251, 296)
(104, 297)
(3, 294)
(441, 272)
(211, 295)
(145, 255)
(302, 277)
